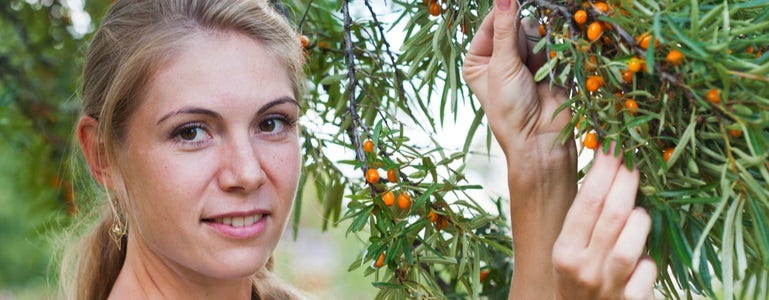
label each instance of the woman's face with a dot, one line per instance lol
(212, 162)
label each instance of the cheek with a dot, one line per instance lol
(283, 167)
(159, 185)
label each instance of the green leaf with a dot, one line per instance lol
(545, 70)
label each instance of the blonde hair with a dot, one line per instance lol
(135, 39)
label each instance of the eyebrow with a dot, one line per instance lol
(215, 115)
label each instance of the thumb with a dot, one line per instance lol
(506, 35)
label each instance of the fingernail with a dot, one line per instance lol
(503, 5)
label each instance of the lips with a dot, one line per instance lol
(238, 221)
(239, 225)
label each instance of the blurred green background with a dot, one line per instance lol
(42, 44)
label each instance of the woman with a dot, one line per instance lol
(189, 123)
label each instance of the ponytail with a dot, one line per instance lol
(91, 266)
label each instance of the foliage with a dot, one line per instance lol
(707, 195)
(698, 134)
(708, 198)
(37, 82)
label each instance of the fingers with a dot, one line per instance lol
(629, 247)
(505, 41)
(587, 206)
(482, 44)
(599, 251)
(616, 208)
(641, 283)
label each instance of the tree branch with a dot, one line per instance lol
(352, 109)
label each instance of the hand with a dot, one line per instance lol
(520, 113)
(498, 68)
(598, 254)
(541, 171)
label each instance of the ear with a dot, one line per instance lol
(93, 150)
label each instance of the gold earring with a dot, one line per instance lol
(117, 232)
(119, 226)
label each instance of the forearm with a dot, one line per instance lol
(542, 185)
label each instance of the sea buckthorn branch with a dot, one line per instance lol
(664, 75)
(718, 160)
(352, 108)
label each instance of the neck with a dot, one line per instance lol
(147, 275)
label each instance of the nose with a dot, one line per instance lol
(241, 167)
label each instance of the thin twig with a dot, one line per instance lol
(398, 79)
(352, 130)
(304, 16)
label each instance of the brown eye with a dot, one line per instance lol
(267, 126)
(272, 125)
(189, 134)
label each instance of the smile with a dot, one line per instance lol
(239, 221)
(239, 225)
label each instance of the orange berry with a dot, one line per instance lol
(392, 176)
(542, 30)
(580, 17)
(372, 176)
(433, 216)
(380, 261)
(634, 64)
(751, 49)
(368, 146)
(631, 106)
(735, 133)
(404, 201)
(668, 153)
(627, 76)
(435, 8)
(590, 141)
(553, 54)
(594, 31)
(714, 96)
(674, 57)
(388, 198)
(594, 83)
(323, 45)
(602, 6)
(484, 275)
(644, 40)
(304, 41)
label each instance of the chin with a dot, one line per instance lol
(239, 263)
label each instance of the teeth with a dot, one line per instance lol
(239, 221)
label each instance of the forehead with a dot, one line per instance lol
(216, 66)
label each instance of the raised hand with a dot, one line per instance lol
(599, 253)
(541, 171)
